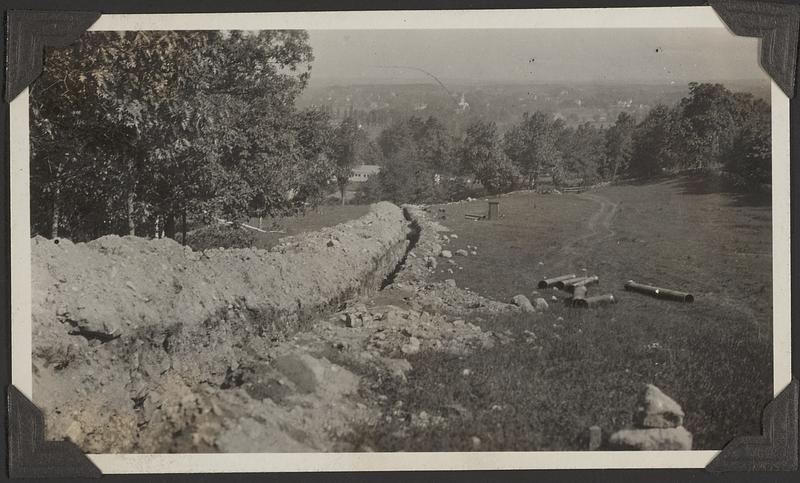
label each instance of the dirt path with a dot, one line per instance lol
(598, 227)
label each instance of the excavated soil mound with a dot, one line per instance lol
(128, 332)
(145, 346)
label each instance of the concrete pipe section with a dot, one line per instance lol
(658, 292)
(595, 301)
(549, 282)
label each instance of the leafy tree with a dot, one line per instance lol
(750, 154)
(707, 123)
(164, 125)
(396, 137)
(406, 178)
(435, 146)
(532, 145)
(619, 146)
(482, 155)
(653, 142)
(345, 151)
(582, 152)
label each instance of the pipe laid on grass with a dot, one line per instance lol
(583, 283)
(548, 282)
(563, 283)
(658, 292)
(595, 301)
(578, 295)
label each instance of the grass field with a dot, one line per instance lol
(585, 367)
(319, 217)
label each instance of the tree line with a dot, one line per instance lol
(136, 132)
(148, 133)
(710, 129)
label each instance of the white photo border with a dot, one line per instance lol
(616, 18)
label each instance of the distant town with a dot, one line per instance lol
(379, 105)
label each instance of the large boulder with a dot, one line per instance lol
(657, 410)
(652, 439)
(523, 303)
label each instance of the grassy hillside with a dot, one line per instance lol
(568, 369)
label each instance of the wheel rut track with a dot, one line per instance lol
(598, 227)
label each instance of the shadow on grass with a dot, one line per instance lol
(705, 183)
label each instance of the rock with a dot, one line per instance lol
(302, 369)
(333, 243)
(657, 410)
(473, 253)
(541, 304)
(450, 282)
(476, 442)
(430, 262)
(397, 367)
(446, 254)
(651, 439)
(454, 236)
(354, 321)
(523, 303)
(412, 347)
(462, 252)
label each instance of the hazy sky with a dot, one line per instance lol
(577, 55)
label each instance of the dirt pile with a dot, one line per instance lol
(115, 318)
(114, 286)
(146, 346)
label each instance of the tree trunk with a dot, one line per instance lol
(129, 206)
(341, 189)
(131, 196)
(169, 226)
(183, 228)
(56, 213)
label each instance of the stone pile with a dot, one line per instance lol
(658, 425)
(525, 305)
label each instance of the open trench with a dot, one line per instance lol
(414, 233)
(146, 376)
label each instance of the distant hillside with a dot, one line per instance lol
(377, 105)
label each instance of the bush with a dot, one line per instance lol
(220, 236)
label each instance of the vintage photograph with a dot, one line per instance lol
(402, 240)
